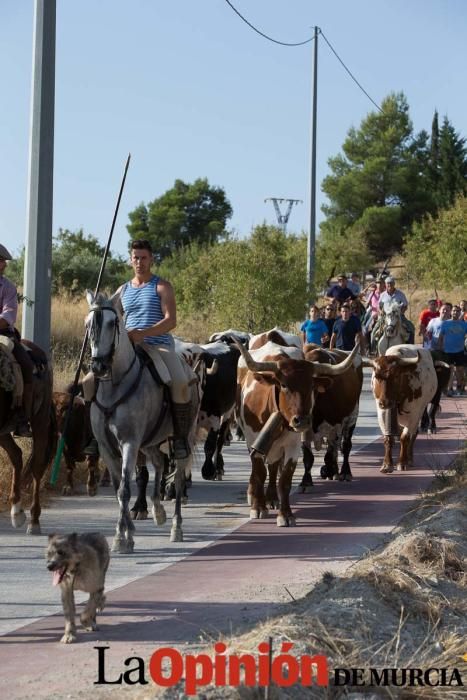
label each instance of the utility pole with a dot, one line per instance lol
(38, 260)
(310, 273)
(283, 219)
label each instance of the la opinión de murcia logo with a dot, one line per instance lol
(167, 667)
(221, 670)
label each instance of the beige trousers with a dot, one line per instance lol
(173, 371)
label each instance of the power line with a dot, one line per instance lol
(348, 71)
(301, 43)
(282, 43)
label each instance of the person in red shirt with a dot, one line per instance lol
(425, 317)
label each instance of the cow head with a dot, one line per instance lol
(390, 377)
(297, 380)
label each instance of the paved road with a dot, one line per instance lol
(228, 572)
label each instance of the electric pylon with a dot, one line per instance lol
(283, 219)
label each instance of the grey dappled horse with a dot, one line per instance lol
(394, 332)
(130, 413)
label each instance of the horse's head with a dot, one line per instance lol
(103, 325)
(392, 319)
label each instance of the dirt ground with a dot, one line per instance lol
(403, 606)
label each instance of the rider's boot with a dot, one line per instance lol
(23, 428)
(182, 420)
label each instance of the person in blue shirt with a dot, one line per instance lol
(314, 329)
(347, 330)
(452, 342)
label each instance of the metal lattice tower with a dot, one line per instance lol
(283, 219)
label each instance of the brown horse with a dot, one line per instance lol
(44, 438)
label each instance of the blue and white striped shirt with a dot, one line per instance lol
(142, 308)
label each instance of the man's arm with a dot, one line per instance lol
(332, 343)
(168, 323)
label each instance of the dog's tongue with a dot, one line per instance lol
(56, 577)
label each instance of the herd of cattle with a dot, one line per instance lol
(287, 400)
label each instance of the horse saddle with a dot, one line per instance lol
(160, 373)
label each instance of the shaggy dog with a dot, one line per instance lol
(79, 562)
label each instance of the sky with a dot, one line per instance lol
(191, 91)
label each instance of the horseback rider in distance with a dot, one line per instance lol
(149, 308)
(8, 314)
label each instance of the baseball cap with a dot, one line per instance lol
(342, 276)
(4, 253)
(389, 278)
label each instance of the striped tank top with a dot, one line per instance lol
(142, 308)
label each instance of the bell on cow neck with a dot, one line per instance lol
(268, 434)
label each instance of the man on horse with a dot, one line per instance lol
(148, 303)
(389, 296)
(8, 314)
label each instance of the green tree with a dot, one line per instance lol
(452, 165)
(15, 269)
(340, 250)
(76, 262)
(436, 248)
(252, 284)
(184, 214)
(379, 185)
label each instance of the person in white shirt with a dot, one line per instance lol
(390, 295)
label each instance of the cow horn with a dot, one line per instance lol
(321, 369)
(213, 368)
(252, 364)
(440, 363)
(367, 362)
(407, 361)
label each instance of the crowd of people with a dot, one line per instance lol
(352, 314)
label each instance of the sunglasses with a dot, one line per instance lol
(2, 259)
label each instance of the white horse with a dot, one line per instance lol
(394, 332)
(131, 412)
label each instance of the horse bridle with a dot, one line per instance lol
(96, 327)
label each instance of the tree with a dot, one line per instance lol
(76, 261)
(452, 165)
(184, 214)
(436, 248)
(379, 184)
(251, 284)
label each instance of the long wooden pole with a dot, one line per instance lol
(61, 444)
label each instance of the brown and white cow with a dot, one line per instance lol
(335, 415)
(279, 389)
(404, 381)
